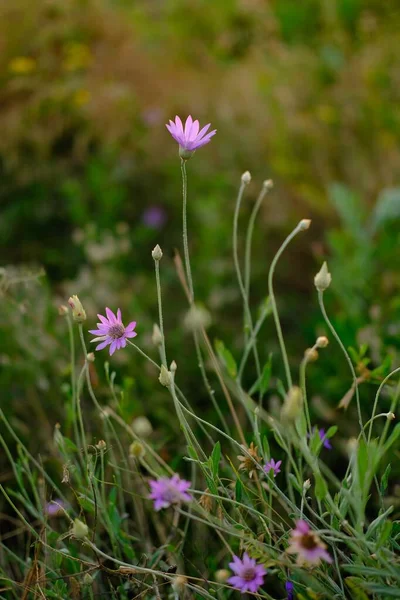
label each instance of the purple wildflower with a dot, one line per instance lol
(307, 545)
(289, 587)
(111, 331)
(273, 466)
(249, 576)
(166, 491)
(54, 508)
(325, 441)
(154, 217)
(190, 138)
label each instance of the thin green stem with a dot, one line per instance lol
(160, 312)
(383, 383)
(298, 228)
(248, 325)
(185, 231)
(348, 359)
(303, 384)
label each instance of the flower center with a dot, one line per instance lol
(171, 495)
(308, 542)
(248, 574)
(116, 331)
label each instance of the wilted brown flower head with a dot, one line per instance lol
(247, 462)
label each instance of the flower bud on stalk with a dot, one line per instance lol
(79, 529)
(157, 253)
(323, 278)
(78, 312)
(164, 377)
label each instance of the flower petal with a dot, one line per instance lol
(102, 345)
(111, 317)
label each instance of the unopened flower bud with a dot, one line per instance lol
(390, 416)
(78, 312)
(222, 575)
(79, 529)
(87, 579)
(292, 405)
(173, 367)
(304, 224)
(164, 377)
(306, 485)
(142, 427)
(90, 357)
(156, 337)
(101, 445)
(322, 342)
(268, 184)
(157, 253)
(136, 450)
(323, 278)
(246, 177)
(179, 584)
(311, 354)
(62, 310)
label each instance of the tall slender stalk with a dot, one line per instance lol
(302, 226)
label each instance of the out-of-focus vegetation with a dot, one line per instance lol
(306, 93)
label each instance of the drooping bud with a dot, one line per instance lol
(323, 278)
(246, 177)
(157, 253)
(304, 224)
(136, 450)
(79, 529)
(156, 337)
(78, 312)
(292, 405)
(390, 416)
(63, 310)
(164, 377)
(322, 342)
(142, 427)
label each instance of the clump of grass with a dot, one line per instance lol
(253, 502)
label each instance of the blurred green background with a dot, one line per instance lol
(306, 93)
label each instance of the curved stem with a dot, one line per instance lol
(383, 383)
(248, 325)
(287, 241)
(303, 384)
(348, 359)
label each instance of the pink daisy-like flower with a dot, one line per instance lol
(307, 545)
(248, 575)
(112, 332)
(273, 466)
(166, 491)
(189, 138)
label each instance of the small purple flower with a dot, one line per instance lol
(273, 466)
(325, 441)
(289, 587)
(304, 542)
(190, 138)
(111, 331)
(55, 508)
(249, 576)
(166, 491)
(154, 217)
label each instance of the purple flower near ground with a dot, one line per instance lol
(54, 508)
(166, 491)
(289, 587)
(273, 466)
(112, 332)
(308, 546)
(189, 138)
(248, 575)
(154, 216)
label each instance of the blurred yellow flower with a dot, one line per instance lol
(81, 97)
(77, 56)
(22, 65)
